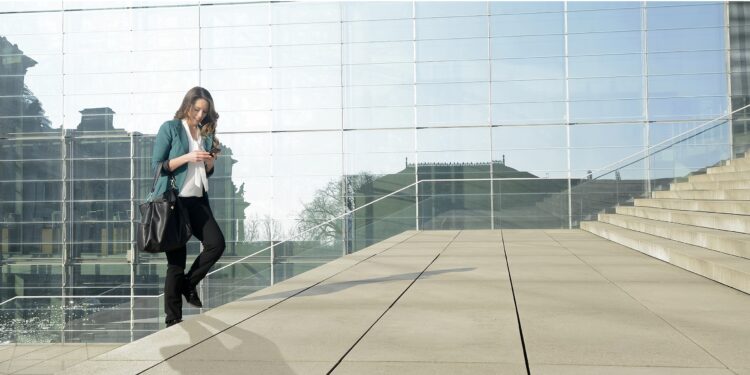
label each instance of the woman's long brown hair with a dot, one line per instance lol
(208, 125)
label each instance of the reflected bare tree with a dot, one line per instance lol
(331, 201)
(264, 228)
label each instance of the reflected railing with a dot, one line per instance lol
(654, 168)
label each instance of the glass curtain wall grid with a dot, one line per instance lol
(342, 124)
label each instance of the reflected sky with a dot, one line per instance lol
(311, 89)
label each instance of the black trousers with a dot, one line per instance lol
(208, 232)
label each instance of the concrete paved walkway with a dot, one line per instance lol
(442, 302)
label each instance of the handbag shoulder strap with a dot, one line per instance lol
(164, 166)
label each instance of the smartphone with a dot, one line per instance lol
(214, 151)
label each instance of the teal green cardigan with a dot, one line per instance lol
(172, 142)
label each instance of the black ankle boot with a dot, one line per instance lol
(171, 322)
(191, 296)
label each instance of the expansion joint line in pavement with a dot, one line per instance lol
(269, 307)
(515, 304)
(389, 307)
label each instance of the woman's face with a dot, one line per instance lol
(198, 111)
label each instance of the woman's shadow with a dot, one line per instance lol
(230, 351)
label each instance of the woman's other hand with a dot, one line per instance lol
(197, 156)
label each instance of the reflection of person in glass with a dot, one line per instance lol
(187, 147)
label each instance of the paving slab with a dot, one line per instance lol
(624, 370)
(238, 367)
(428, 368)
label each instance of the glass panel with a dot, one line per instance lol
(498, 7)
(540, 150)
(377, 31)
(377, 151)
(527, 46)
(382, 52)
(469, 139)
(607, 110)
(378, 96)
(452, 71)
(109, 41)
(375, 10)
(316, 33)
(242, 100)
(304, 12)
(456, 49)
(526, 24)
(528, 113)
(233, 58)
(452, 93)
(329, 54)
(36, 44)
(150, 40)
(382, 74)
(687, 108)
(607, 135)
(606, 88)
(605, 20)
(687, 85)
(234, 79)
(307, 98)
(450, 8)
(686, 62)
(607, 65)
(232, 37)
(685, 40)
(94, 21)
(306, 76)
(596, 5)
(603, 43)
(234, 15)
(528, 91)
(455, 27)
(527, 69)
(686, 17)
(454, 205)
(164, 18)
(373, 117)
(307, 119)
(532, 203)
(453, 115)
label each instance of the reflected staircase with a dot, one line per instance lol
(701, 225)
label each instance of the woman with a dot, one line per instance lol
(181, 148)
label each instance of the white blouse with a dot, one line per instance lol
(195, 181)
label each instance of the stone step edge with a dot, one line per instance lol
(699, 214)
(662, 250)
(708, 232)
(677, 192)
(702, 177)
(697, 201)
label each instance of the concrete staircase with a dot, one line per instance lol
(701, 225)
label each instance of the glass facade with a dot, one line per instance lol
(456, 114)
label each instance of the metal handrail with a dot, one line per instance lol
(697, 130)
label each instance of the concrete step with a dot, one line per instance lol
(728, 167)
(731, 222)
(712, 185)
(726, 269)
(727, 176)
(737, 244)
(734, 194)
(723, 206)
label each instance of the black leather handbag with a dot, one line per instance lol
(164, 224)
